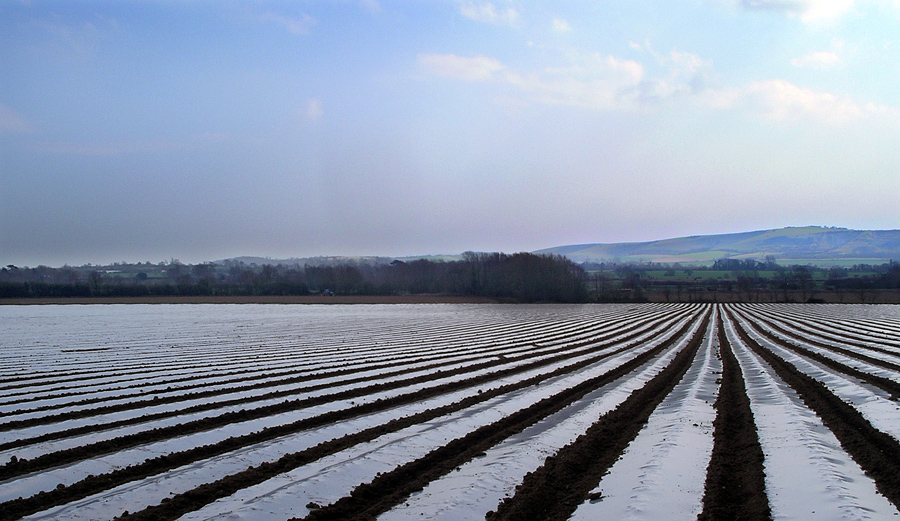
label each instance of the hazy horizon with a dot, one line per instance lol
(146, 131)
(170, 260)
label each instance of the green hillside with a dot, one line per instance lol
(811, 244)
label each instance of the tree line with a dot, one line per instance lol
(518, 277)
(747, 280)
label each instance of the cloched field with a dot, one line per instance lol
(450, 411)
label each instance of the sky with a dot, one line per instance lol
(200, 130)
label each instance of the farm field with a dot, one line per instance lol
(450, 411)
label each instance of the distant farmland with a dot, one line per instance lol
(450, 411)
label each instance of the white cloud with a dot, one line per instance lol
(686, 74)
(76, 39)
(475, 68)
(296, 25)
(596, 81)
(817, 60)
(560, 26)
(604, 82)
(489, 13)
(814, 11)
(808, 10)
(780, 100)
(600, 66)
(12, 122)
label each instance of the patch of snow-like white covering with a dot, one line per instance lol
(808, 475)
(479, 485)
(662, 473)
(35, 450)
(38, 449)
(876, 405)
(70, 474)
(327, 480)
(137, 495)
(839, 357)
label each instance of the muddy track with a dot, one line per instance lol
(94, 484)
(75, 377)
(735, 480)
(612, 328)
(200, 496)
(553, 491)
(283, 375)
(790, 345)
(130, 375)
(876, 452)
(139, 404)
(138, 371)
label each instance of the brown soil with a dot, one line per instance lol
(735, 478)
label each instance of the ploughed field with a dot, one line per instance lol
(450, 411)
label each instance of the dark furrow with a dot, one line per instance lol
(876, 452)
(553, 491)
(94, 484)
(138, 404)
(735, 478)
(288, 371)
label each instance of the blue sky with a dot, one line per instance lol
(200, 130)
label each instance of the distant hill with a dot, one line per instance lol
(803, 245)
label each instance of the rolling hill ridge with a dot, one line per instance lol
(795, 245)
